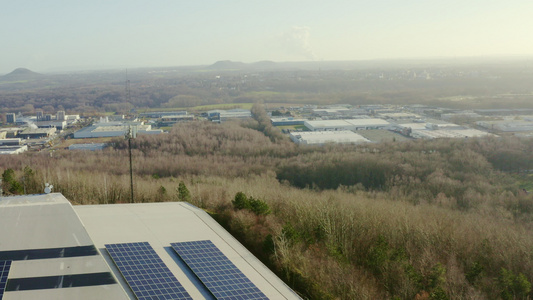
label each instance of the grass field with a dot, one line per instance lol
(293, 127)
(66, 143)
(202, 107)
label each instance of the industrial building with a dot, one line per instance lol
(399, 116)
(59, 125)
(10, 132)
(60, 116)
(171, 250)
(219, 115)
(40, 115)
(162, 114)
(10, 142)
(348, 124)
(448, 133)
(113, 129)
(461, 115)
(330, 111)
(13, 149)
(290, 121)
(11, 118)
(507, 125)
(324, 137)
(171, 120)
(36, 133)
(438, 129)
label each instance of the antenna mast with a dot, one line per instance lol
(128, 94)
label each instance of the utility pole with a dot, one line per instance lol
(131, 133)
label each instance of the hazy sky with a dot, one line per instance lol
(58, 35)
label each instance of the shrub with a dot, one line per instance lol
(258, 207)
(240, 201)
(513, 286)
(183, 192)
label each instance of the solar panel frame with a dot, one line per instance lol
(214, 269)
(5, 266)
(145, 272)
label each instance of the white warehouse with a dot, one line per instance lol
(350, 124)
(51, 250)
(324, 137)
(112, 129)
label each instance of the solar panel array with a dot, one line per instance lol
(221, 277)
(145, 272)
(5, 265)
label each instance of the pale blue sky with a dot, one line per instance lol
(51, 35)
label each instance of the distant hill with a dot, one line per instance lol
(227, 65)
(237, 65)
(265, 64)
(21, 74)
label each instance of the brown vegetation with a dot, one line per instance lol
(440, 219)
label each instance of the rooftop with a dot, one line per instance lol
(35, 224)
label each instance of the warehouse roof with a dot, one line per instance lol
(323, 137)
(90, 242)
(347, 123)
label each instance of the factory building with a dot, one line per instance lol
(330, 111)
(324, 137)
(349, 124)
(171, 120)
(508, 125)
(11, 149)
(162, 114)
(60, 115)
(11, 118)
(10, 142)
(286, 121)
(36, 133)
(399, 116)
(40, 115)
(448, 133)
(51, 250)
(59, 125)
(219, 115)
(113, 129)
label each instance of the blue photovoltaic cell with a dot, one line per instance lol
(5, 265)
(145, 272)
(216, 271)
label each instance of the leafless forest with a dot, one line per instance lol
(424, 219)
(442, 219)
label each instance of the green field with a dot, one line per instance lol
(202, 107)
(292, 127)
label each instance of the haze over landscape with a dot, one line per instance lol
(358, 149)
(78, 35)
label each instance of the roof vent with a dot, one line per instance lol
(48, 188)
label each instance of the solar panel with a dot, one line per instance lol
(145, 272)
(221, 277)
(5, 265)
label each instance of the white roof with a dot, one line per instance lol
(49, 221)
(449, 133)
(327, 123)
(160, 224)
(330, 110)
(367, 122)
(400, 115)
(322, 137)
(347, 123)
(414, 126)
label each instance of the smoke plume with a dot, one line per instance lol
(296, 42)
